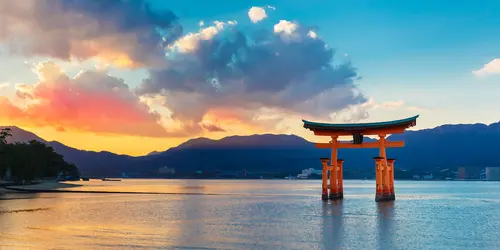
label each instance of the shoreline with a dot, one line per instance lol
(57, 187)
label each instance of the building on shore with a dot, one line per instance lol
(166, 171)
(308, 172)
(428, 176)
(493, 173)
(468, 173)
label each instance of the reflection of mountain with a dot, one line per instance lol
(447, 145)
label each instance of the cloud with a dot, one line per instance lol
(312, 34)
(491, 68)
(91, 101)
(271, 7)
(257, 14)
(359, 112)
(124, 33)
(4, 85)
(212, 128)
(222, 67)
(190, 41)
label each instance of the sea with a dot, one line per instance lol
(252, 214)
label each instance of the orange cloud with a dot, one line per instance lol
(91, 101)
(241, 120)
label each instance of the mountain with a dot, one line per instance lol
(89, 162)
(21, 135)
(153, 153)
(443, 146)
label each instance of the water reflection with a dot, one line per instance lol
(192, 230)
(385, 223)
(132, 221)
(333, 224)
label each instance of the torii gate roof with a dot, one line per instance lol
(363, 128)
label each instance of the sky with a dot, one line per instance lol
(132, 77)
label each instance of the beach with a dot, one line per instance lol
(43, 186)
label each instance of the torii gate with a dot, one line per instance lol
(384, 168)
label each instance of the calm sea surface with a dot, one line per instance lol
(253, 214)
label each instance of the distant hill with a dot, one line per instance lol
(89, 162)
(443, 146)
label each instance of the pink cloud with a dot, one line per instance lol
(92, 101)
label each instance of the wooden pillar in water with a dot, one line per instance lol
(324, 176)
(386, 188)
(334, 185)
(378, 177)
(390, 163)
(340, 178)
(383, 192)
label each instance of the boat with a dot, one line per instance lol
(106, 179)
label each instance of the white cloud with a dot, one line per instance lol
(257, 14)
(4, 85)
(190, 41)
(285, 27)
(271, 7)
(201, 23)
(400, 104)
(312, 34)
(491, 68)
(356, 113)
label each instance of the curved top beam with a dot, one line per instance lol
(407, 122)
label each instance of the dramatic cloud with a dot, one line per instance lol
(217, 79)
(91, 101)
(491, 68)
(125, 33)
(287, 70)
(257, 14)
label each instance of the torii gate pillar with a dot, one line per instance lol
(384, 168)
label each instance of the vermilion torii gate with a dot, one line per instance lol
(384, 167)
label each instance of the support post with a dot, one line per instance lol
(382, 178)
(390, 163)
(324, 176)
(387, 176)
(340, 178)
(334, 186)
(378, 177)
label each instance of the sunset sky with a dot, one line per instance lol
(132, 78)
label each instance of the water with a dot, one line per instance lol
(262, 214)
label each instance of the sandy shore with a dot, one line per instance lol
(42, 186)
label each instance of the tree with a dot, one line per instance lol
(32, 160)
(4, 134)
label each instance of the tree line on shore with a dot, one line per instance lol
(31, 161)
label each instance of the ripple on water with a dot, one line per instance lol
(267, 215)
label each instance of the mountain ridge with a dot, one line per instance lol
(279, 152)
